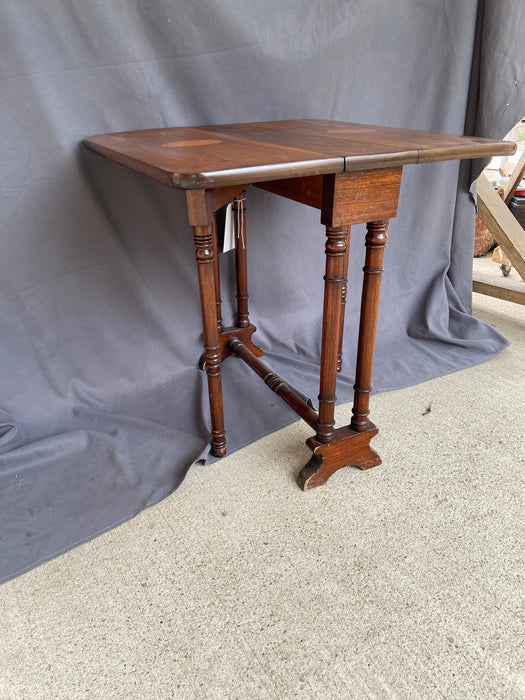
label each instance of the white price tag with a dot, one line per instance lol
(229, 232)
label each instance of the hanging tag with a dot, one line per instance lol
(229, 231)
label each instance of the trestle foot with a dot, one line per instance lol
(348, 449)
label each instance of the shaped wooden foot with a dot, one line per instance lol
(348, 449)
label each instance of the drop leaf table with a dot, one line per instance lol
(352, 174)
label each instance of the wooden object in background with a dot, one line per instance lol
(488, 280)
(507, 292)
(514, 180)
(498, 218)
(352, 174)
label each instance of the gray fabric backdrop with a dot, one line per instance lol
(102, 407)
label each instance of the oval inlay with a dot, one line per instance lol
(195, 142)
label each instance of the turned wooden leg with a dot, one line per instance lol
(241, 266)
(349, 445)
(205, 253)
(376, 239)
(344, 293)
(217, 271)
(336, 250)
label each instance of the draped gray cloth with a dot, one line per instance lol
(102, 406)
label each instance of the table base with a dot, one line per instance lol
(343, 199)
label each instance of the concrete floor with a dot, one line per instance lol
(406, 581)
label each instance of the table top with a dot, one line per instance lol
(232, 154)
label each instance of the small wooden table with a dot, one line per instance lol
(352, 174)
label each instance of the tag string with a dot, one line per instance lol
(240, 222)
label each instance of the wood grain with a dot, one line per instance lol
(231, 154)
(336, 250)
(275, 382)
(357, 197)
(204, 254)
(348, 449)
(376, 240)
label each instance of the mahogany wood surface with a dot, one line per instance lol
(217, 273)
(352, 174)
(376, 239)
(305, 190)
(204, 254)
(226, 334)
(230, 154)
(348, 449)
(350, 197)
(344, 293)
(336, 251)
(359, 196)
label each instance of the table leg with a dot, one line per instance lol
(336, 250)
(243, 329)
(347, 446)
(376, 240)
(241, 266)
(344, 292)
(205, 253)
(217, 271)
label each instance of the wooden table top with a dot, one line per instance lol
(233, 154)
